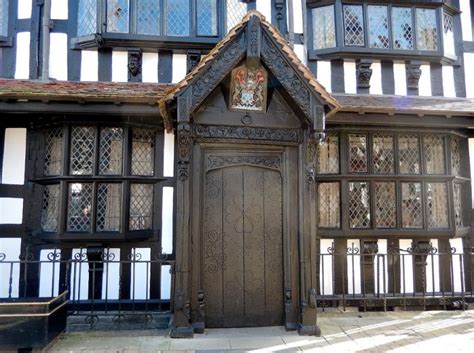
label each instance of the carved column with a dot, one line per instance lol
(369, 252)
(420, 251)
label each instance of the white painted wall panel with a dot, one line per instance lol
(353, 267)
(298, 16)
(265, 7)
(301, 53)
(111, 276)
(466, 13)
(325, 267)
(24, 8)
(449, 89)
(119, 66)
(168, 155)
(90, 65)
(167, 220)
(11, 210)
(457, 262)
(179, 67)
(324, 74)
(140, 274)
(165, 282)
(49, 272)
(432, 270)
(424, 84)
(150, 67)
(376, 78)
(400, 78)
(58, 56)
(11, 247)
(79, 274)
(469, 74)
(14, 156)
(406, 267)
(350, 82)
(22, 66)
(59, 9)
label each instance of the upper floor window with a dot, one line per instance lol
(324, 35)
(3, 17)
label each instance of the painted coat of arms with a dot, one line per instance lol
(248, 89)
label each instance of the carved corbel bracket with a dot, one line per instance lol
(135, 65)
(413, 72)
(193, 58)
(364, 73)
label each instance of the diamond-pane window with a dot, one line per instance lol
(402, 28)
(359, 204)
(409, 154)
(385, 205)
(378, 26)
(148, 17)
(53, 157)
(324, 29)
(82, 150)
(118, 16)
(358, 152)
(457, 205)
(87, 17)
(433, 153)
(412, 213)
(426, 29)
(329, 205)
(50, 209)
(206, 17)
(448, 34)
(109, 201)
(4, 17)
(79, 207)
(455, 157)
(328, 155)
(236, 10)
(141, 201)
(383, 157)
(111, 145)
(143, 146)
(353, 25)
(437, 201)
(178, 14)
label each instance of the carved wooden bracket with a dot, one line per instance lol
(135, 66)
(364, 73)
(413, 72)
(193, 58)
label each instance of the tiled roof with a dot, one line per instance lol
(405, 104)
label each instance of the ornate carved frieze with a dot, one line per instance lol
(135, 66)
(246, 133)
(364, 73)
(413, 72)
(214, 162)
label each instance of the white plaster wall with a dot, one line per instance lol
(110, 278)
(58, 56)
(79, 274)
(449, 89)
(89, 65)
(49, 274)
(167, 220)
(469, 74)
(300, 52)
(350, 82)
(424, 84)
(324, 74)
(353, 268)
(22, 66)
(432, 270)
(165, 282)
(168, 155)
(24, 8)
(179, 67)
(471, 165)
(325, 267)
(14, 155)
(140, 275)
(59, 10)
(399, 75)
(376, 78)
(150, 67)
(11, 210)
(119, 66)
(406, 267)
(265, 7)
(298, 16)
(11, 247)
(457, 261)
(466, 13)
(381, 267)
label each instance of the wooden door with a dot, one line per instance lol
(242, 247)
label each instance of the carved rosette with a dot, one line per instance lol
(185, 143)
(364, 73)
(413, 72)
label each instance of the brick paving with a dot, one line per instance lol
(351, 331)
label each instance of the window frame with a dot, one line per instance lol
(6, 39)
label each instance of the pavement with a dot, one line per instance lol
(350, 331)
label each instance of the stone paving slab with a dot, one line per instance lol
(351, 331)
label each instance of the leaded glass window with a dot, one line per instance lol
(412, 213)
(79, 207)
(50, 209)
(4, 17)
(82, 150)
(109, 201)
(177, 20)
(433, 153)
(359, 204)
(457, 205)
(358, 152)
(353, 25)
(426, 29)
(141, 201)
(437, 201)
(143, 145)
(383, 156)
(378, 26)
(409, 154)
(385, 205)
(448, 34)
(111, 146)
(402, 28)
(87, 17)
(148, 17)
(455, 157)
(329, 205)
(328, 155)
(118, 16)
(206, 17)
(236, 10)
(324, 29)
(53, 152)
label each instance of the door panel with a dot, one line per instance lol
(242, 247)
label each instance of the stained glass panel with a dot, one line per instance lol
(359, 204)
(433, 153)
(4, 17)
(87, 17)
(141, 201)
(79, 207)
(50, 209)
(358, 152)
(110, 159)
(178, 14)
(438, 216)
(402, 28)
(457, 205)
(383, 157)
(455, 157)
(328, 155)
(412, 213)
(378, 26)
(109, 203)
(324, 29)
(206, 17)
(385, 205)
(236, 10)
(353, 25)
(82, 150)
(148, 17)
(329, 205)
(426, 29)
(118, 16)
(143, 146)
(409, 154)
(53, 152)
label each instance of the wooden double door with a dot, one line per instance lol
(242, 245)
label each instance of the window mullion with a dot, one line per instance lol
(414, 28)
(339, 24)
(102, 16)
(133, 16)
(127, 153)
(365, 24)
(93, 214)
(193, 19)
(389, 24)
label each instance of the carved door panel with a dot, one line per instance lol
(242, 247)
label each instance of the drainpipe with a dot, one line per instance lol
(291, 25)
(46, 38)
